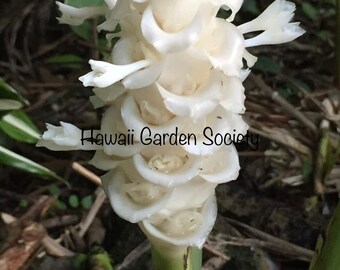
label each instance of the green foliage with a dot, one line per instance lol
(73, 201)
(267, 65)
(307, 168)
(70, 61)
(23, 203)
(251, 7)
(17, 125)
(86, 202)
(10, 158)
(85, 3)
(311, 12)
(54, 190)
(97, 258)
(326, 256)
(7, 92)
(61, 205)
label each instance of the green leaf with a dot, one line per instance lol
(23, 203)
(251, 7)
(9, 104)
(326, 256)
(267, 65)
(73, 201)
(67, 60)
(60, 204)
(310, 11)
(54, 190)
(8, 92)
(85, 3)
(10, 158)
(18, 126)
(87, 202)
(325, 35)
(307, 168)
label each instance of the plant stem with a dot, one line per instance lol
(326, 256)
(337, 48)
(178, 258)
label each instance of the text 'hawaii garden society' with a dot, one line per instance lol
(147, 137)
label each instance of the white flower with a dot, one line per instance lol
(144, 108)
(134, 198)
(277, 35)
(223, 43)
(187, 227)
(76, 16)
(275, 21)
(105, 74)
(169, 42)
(278, 14)
(222, 166)
(66, 137)
(167, 165)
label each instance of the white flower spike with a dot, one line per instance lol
(173, 87)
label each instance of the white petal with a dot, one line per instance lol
(96, 102)
(67, 137)
(76, 16)
(167, 166)
(110, 93)
(251, 59)
(233, 5)
(104, 162)
(233, 95)
(224, 45)
(133, 119)
(197, 237)
(222, 166)
(112, 124)
(277, 14)
(284, 34)
(116, 14)
(124, 50)
(105, 74)
(171, 42)
(111, 3)
(144, 77)
(206, 129)
(201, 103)
(115, 184)
(185, 196)
(244, 74)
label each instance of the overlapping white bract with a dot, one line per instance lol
(176, 68)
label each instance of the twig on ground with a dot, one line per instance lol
(284, 139)
(86, 223)
(136, 253)
(60, 221)
(270, 242)
(214, 263)
(86, 173)
(53, 248)
(283, 103)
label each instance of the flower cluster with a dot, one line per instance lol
(176, 67)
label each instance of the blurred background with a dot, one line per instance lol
(54, 216)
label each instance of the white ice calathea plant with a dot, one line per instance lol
(175, 70)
